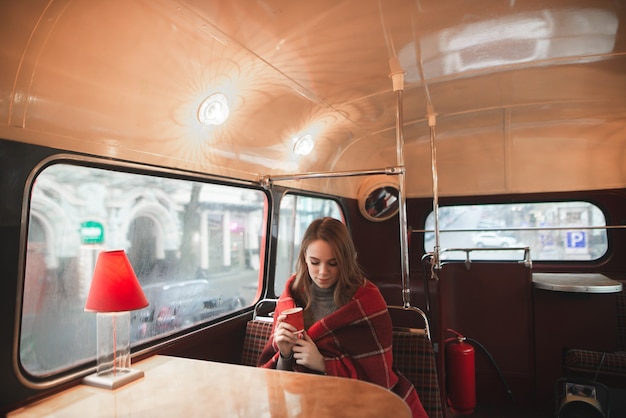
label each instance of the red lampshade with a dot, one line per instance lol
(114, 286)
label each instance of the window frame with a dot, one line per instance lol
(281, 277)
(502, 228)
(87, 365)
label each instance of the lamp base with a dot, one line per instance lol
(111, 381)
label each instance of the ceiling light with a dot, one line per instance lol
(214, 110)
(304, 145)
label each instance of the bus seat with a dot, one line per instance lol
(596, 362)
(414, 357)
(413, 353)
(258, 331)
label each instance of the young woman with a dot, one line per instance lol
(348, 330)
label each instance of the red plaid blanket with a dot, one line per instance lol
(356, 342)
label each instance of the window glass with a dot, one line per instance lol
(553, 231)
(195, 248)
(296, 213)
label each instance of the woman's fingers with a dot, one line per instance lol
(284, 337)
(281, 324)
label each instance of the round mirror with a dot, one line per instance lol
(378, 198)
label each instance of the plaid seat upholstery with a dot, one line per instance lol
(613, 363)
(257, 333)
(413, 356)
(589, 361)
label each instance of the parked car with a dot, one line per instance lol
(492, 239)
(179, 304)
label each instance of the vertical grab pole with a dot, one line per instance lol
(433, 159)
(397, 76)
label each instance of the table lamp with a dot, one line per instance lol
(114, 292)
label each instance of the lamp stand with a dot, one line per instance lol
(113, 352)
(113, 382)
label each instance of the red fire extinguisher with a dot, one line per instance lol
(460, 375)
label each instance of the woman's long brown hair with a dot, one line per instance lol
(351, 277)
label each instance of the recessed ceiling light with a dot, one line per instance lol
(304, 145)
(214, 110)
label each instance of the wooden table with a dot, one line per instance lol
(178, 387)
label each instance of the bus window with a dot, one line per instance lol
(194, 246)
(554, 231)
(296, 213)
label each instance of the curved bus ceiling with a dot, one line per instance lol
(528, 95)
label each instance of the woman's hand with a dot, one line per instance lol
(285, 336)
(306, 353)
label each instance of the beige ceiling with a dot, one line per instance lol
(524, 96)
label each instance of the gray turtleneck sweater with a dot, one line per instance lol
(322, 304)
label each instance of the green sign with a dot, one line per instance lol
(92, 232)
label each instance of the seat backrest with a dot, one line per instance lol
(464, 305)
(258, 331)
(414, 358)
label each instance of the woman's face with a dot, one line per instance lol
(322, 264)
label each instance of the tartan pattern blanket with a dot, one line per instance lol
(356, 341)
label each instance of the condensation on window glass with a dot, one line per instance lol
(296, 213)
(553, 231)
(195, 248)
